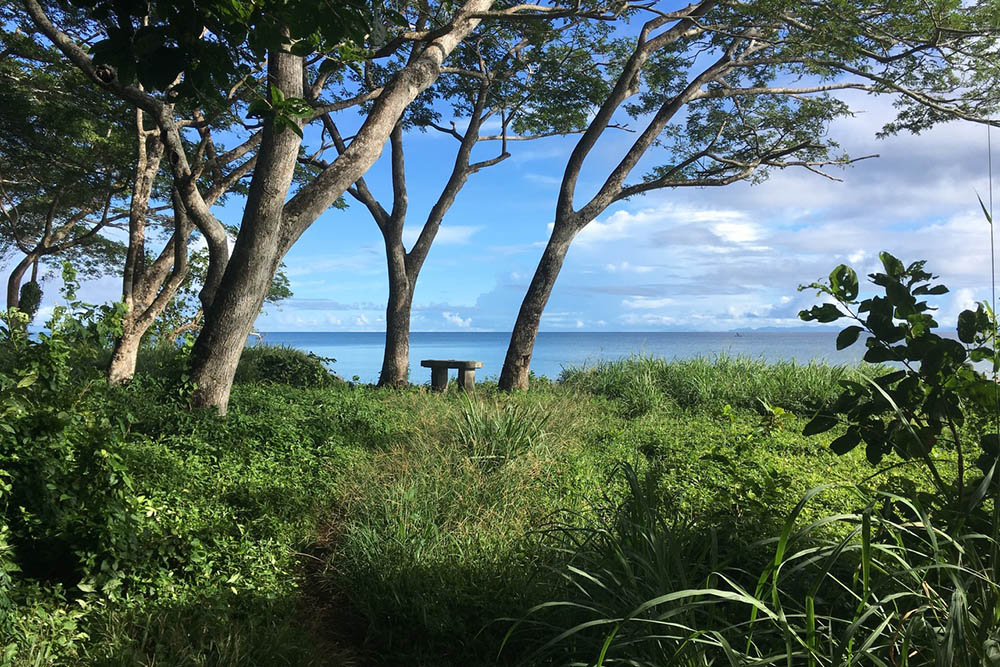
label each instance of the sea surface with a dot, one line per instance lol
(360, 354)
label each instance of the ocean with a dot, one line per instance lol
(360, 354)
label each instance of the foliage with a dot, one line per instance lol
(65, 151)
(642, 384)
(495, 433)
(201, 49)
(68, 501)
(620, 556)
(348, 521)
(30, 299)
(932, 395)
(284, 365)
(886, 585)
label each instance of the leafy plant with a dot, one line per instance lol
(284, 365)
(933, 392)
(499, 432)
(30, 299)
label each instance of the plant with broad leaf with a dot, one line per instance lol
(931, 397)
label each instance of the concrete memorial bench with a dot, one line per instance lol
(439, 372)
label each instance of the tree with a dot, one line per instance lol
(183, 314)
(64, 163)
(500, 74)
(215, 52)
(731, 90)
(150, 285)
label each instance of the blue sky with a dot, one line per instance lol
(680, 260)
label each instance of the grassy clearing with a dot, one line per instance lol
(352, 525)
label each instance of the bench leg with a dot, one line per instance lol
(439, 379)
(467, 379)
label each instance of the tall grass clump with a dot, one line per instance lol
(496, 432)
(427, 546)
(890, 584)
(641, 383)
(616, 558)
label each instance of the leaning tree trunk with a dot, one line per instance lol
(396, 360)
(140, 282)
(255, 259)
(121, 369)
(522, 339)
(14, 281)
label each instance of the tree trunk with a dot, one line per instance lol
(125, 353)
(14, 281)
(140, 283)
(247, 278)
(396, 360)
(522, 339)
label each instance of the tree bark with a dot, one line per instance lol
(150, 296)
(141, 284)
(121, 369)
(522, 340)
(255, 259)
(396, 359)
(14, 281)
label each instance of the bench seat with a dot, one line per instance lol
(439, 372)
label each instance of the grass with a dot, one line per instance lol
(355, 525)
(640, 383)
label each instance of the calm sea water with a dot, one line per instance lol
(360, 354)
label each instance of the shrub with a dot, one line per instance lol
(284, 365)
(67, 497)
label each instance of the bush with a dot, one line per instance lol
(284, 365)
(67, 496)
(640, 384)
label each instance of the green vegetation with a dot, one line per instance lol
(315, 524)
(642, 512)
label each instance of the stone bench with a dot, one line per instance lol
(439, 372)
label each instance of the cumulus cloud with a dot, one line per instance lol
(457, 320)
(447, 235)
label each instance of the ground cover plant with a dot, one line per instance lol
(906, 577)
(641, 512)
(333, 525)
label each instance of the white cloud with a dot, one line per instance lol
(647, 303)
(457, 320)
(447, 234)
(737, 232)
(626, 267)
(579, 324)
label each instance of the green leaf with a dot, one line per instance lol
(27, 381)
(967, 328)
(827, 312)
(848, 337)
(989, 218)
(821, 423)
(893, 267)
(846, 442)
(844, 283)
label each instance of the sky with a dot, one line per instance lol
(712, 259)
